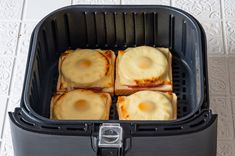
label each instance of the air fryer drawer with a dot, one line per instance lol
(30, 138)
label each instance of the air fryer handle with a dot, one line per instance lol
(110, 140)
(115, 151)
(109, 152)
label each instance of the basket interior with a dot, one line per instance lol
(115, 28)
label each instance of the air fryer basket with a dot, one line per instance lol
(115, 28)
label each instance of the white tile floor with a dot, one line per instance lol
(18, 18)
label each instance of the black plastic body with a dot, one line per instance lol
(116, 27)
(30, 139)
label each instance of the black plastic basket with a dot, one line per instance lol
(118, 27)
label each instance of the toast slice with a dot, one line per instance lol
(86, 69)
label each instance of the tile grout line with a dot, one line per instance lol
(230, 94)
(3, 127)
(233, 127)
(23, 10)
(12, 72)
(17, 48)
(4, 120)
(216, 55)
(2, 147)
(229, 79)
(232, 107)
(223, 26)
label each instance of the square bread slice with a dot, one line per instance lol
(147, 105)
(80, 104)
(86, 69)
(143, 68)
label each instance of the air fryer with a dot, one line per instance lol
(116, 27)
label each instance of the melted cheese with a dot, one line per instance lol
(146, 105)
(143, 65)
(81, 105)
(84, 66)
